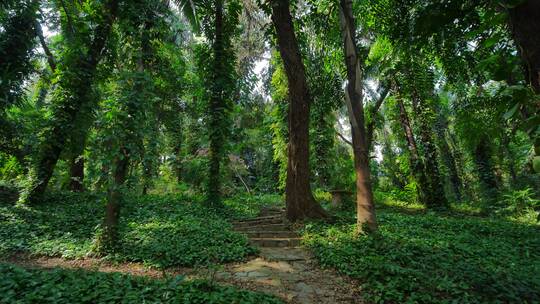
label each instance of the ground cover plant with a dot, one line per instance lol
(160, 231)
(19, 285)
(424, 257)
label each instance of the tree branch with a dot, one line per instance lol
(50, 57)
(344, 139)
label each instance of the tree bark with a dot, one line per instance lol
(300, 202)
(353, 96)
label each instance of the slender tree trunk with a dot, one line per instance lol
(64, 116)
(300, 202)
(365, 207)
(370, 129)
(441, 126)
(417, 166)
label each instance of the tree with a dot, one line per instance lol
(353, 97)
(300, 202)
(72, 95)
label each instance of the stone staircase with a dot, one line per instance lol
(269, 229)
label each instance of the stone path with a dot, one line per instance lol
(292, 275)
(283, 268)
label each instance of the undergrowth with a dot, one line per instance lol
(18, 285)
(423, 257)
(158, 230)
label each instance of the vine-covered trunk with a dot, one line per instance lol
(217, 110)
(417, 166)
(447, 157)
(300, 202)
(365, 208)
(64, 114)
(486, 173)
(435, 197)
(76, 173)
(109, 238)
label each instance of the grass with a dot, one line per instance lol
(18, 285)
(423, 257)
(160, 231)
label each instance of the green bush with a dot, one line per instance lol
(160, 231)
(429, 258)
(18, 285)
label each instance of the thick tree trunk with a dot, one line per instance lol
(353, 95)
(300, 202)
(62, 126)
(525, 25)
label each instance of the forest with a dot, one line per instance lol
(270, 151)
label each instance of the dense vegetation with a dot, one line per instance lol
(18, 285)
(423, 257)
(158, 231)
(139, 130)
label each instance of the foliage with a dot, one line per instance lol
(161, 231)
(245, 205)
(428, 258)
(18, 285)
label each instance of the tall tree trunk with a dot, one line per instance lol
(417, 166)
(441, 126)
(435, 197)
(365, 207)
(525, 25)
(64, 115)
(300, 202)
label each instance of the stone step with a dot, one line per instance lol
(271, 234)
(259, 218)
(258, 221)
(275, 242)
(262, 227)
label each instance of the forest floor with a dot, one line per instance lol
(288, 273)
